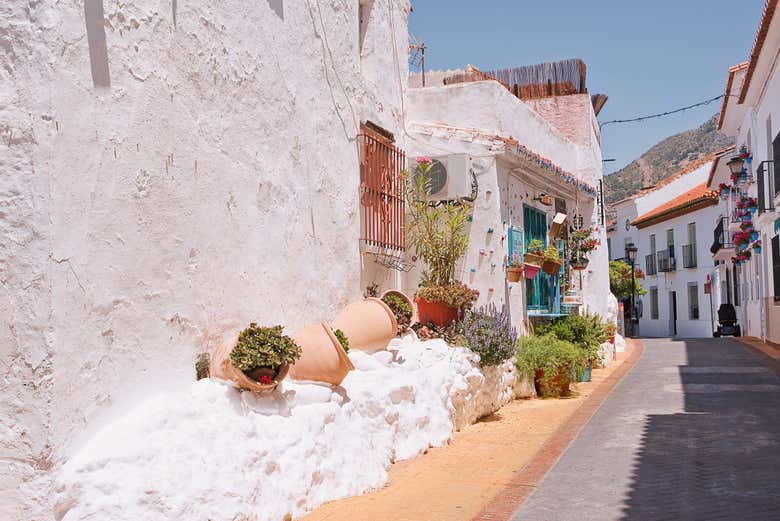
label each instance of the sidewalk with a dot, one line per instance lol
(461, 481)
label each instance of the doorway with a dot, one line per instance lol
(673, 312)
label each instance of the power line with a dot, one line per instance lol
(662, 114)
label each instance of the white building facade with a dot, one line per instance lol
(751, 115)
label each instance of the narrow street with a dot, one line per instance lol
(692, 432)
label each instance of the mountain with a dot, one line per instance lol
(664, 159)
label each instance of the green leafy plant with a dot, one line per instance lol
(551, 254)
(401, 309)
(263, 348)
(343, 340)
(202, 366)
(454, 295)
(620, 280)
(437, 232)
(536, 247)
(582, 242)
(488, 332)
(587, 332)
(549, 361)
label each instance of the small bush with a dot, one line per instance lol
(489, 333)
(553, 356)
(585, 331)
(342, 339)
(202, 366)
(551, 254)
(264, 347)
(536, 247)
(456, 295)
(401, 309)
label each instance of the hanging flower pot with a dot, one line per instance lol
(757, 249)
(533, 258)
(323, 358)
(514, 273)
(530, 271)
(579, 263)
(368, 324)
(753, 236)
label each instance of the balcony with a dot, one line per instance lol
(689, 256)
(666, 261)
(650, 265)
(722, 247)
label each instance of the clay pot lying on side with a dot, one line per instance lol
(369, 324)
(222, 367)
(322, 357)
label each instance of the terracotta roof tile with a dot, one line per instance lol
(733, 70)
(697, 197)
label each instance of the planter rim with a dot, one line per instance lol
(387, 310)
(339, 348)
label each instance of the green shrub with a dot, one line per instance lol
(401, 309)
(202, 366)
(263, 347)
(343, 340)
(587, 332)
(553, 356)
(455, 295)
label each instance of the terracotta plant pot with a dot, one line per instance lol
(406, 298)
(514, 273)
(322, 357)
(439, 313)
(551, 267)
(222, 367)
(369, 324)
(561, 383)
(533, 258)
(530, 270)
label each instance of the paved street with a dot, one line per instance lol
(691, 433)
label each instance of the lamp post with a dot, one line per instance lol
(735, 165)
(631, 255)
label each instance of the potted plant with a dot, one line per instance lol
(581, 244)
(369, 324)
(611, 329)
(514, 271)
(257, 360)
(442, 305)
(551, 261)
(549, 362)
(724, 190)
(438, 235)
(401, 306)
(534, 253)
(757, 246)
(587, 332)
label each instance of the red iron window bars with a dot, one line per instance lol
(382, 190)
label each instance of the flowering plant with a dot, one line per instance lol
(516, 261)
(489, 333)
(424, 160)
(582, 242)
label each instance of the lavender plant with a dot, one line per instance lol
(489, 333)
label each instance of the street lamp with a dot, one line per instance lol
(735, 164)
(631, 255)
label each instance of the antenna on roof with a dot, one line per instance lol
(417, 54)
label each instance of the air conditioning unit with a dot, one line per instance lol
(450, 177)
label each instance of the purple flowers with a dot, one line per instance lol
(490, 334)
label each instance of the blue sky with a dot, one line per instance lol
(647, 56)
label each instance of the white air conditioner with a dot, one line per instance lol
(450, 177)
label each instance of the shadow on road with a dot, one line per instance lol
(720, 459)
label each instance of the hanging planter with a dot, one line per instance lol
(753, 236)
(551, 263)
(530, 270)
(579, 263)
(368, 324)
(514, 273)
(323, 358)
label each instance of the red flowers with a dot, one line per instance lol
(266, 379)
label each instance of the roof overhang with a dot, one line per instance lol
(676, 211)
(763, 55)
(720, 173)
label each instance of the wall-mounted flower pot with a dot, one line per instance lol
(530, 270)
(533, 259)
(323, 359)
(514, 273)
(408, 300)
(369, 324)
(753, 236)
(551, 267)
(437, 312)
(757, 249)
(222, 367)
(579, 264)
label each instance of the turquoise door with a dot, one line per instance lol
(538, 288)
